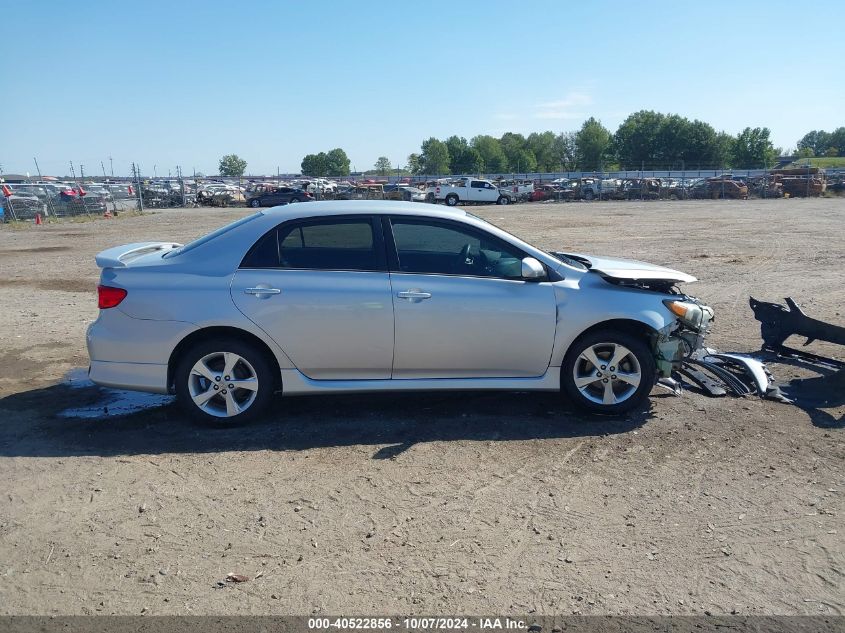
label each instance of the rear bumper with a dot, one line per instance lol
(135, 376)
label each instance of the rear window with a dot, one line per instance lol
(214, 234)
(319, 245)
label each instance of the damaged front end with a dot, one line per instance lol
(682, 338)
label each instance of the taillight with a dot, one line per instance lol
(108, 297)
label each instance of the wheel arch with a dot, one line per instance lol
(220, 332)
(639, 328)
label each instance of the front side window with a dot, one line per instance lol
(317, 245)
(445, 249)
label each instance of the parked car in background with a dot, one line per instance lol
(403, 192)
(516, 190)
(23, 204)
(343, 297)
(367, 191)
(277, 196)
(719, 187)
(470, 190)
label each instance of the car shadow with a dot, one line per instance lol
(393, 423)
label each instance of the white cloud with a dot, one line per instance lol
(570, 107)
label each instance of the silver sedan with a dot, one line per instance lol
(357, 296)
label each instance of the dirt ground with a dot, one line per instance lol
(430, 503)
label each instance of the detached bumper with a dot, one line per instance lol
(135, 376)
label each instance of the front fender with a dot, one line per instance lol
(590, 301)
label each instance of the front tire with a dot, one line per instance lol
(224, 381)
(608, 372)
(255, 203)
(589, 195)
(503, 200)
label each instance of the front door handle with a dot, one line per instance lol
(414, 295)
(262, 291)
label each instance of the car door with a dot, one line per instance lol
(320, 288)
(461, 307)
(480, 191)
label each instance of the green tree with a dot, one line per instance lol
(383, 166)
(463, 159)
(315, 165)
(414, 164)
(522, 161)
(635, 142)
(232, 165)
(805, 152)
(337, 163)
(752, 148)
(818, 141)
(837, 140)
(513, 145)
(542, 145)
(434, 157)
(565, 152)
(593, 142)
(492, 157)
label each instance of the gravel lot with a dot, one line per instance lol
(430, 503)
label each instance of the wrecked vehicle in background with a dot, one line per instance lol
(671, 189)
(719, 187)
(801, 182)
(641, 188)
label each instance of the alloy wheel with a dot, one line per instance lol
(223, 384)
(607, 373)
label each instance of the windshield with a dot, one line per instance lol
(207, 238)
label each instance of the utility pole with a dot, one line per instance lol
(104, 170)
(41, 179)
(181, 184)
(136, 175)
(79, 187)
(111, 167)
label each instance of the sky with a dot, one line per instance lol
(183, 83)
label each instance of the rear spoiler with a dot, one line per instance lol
(120, 255)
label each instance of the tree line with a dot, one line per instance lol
(645, 140)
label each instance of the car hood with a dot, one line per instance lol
(630, 269)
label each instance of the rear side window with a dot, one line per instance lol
(318, 245)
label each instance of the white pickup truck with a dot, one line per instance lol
(469, 190)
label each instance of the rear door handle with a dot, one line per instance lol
(262, 291)
(414, 294)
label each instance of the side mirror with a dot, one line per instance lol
(532, 269)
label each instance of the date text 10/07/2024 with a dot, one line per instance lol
(417, 623)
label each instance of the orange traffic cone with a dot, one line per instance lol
(38, 219)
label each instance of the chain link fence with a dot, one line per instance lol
(26, 198)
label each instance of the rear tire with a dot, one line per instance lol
(224, 381)
(588, 195)
(255, 203)
(601, 387)
(452, 200)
